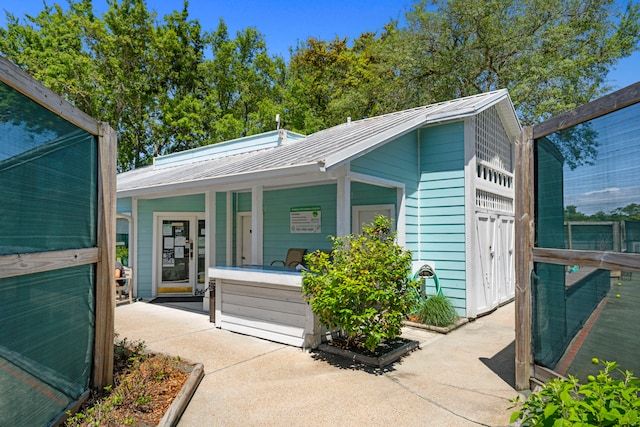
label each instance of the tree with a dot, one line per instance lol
(50, 47)
(571, 214)
(245, 83)
(149, 79)
(552, 55)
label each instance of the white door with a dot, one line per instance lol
(177, 254)
(485, 263)
(505, 259)
(362, 215)
(244, 239)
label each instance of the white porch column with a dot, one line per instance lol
(133, 246)
(229, 229)
(401, 220)
(343, 206)
(209, 242)
(257, 215)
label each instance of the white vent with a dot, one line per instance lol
(492, 144)
(493, 202)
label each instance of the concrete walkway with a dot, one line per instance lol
(464, 378)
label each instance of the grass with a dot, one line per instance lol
(436, 310)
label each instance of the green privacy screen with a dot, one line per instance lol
(48, 194)
(587, 197)
(48, 179)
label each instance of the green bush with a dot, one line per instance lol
(436, 310)
(602, 401)
(364, 288)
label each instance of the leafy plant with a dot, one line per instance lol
(436, 310)
(122, 253)
(365, 288)
(143, 385)
(602, 401)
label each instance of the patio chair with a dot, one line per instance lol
(125, 286)
(294, 257)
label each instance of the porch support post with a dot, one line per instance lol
(133, 245)
(256, 224)
(229, 229)
(209, 242)
(401, 219)
(343, 206)
(524, 257)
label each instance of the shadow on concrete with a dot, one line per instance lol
(344, 362)
(186, 303)
(503, 364)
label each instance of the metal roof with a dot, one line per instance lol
(321, 151)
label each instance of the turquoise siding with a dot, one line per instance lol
(243, 202)
(277, 205)
(366, 194)
(442, 215)
(221, 229)
(146, 209)
(396, 161)
(124, 205)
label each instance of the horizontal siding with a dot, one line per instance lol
(124, 205)
(221, 229)
(396, 160)
(243, 202)
(277, 234)
(270, 312)
(365, 194)
(442, 214)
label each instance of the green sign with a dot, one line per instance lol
(305, 219)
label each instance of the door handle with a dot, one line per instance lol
(191, 250)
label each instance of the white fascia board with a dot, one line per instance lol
(197, 186)
(509, 118)
(338, 159)
(472, 109)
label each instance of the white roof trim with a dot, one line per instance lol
(221, 180)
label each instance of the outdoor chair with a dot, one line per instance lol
(127, 275)
(294, 257)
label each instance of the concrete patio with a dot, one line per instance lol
(464, 378)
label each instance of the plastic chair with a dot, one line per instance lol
(294, 257)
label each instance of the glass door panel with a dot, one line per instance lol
(177, 257)
(201, 260)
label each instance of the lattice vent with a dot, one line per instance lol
(493, 202)
(492, 144)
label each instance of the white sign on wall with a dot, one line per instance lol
(306, 219)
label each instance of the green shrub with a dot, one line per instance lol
(602, 401)
(436, 310)
(365, 288)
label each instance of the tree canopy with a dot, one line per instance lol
(166, 84)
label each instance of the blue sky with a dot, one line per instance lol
(285, 22)
(613, 181)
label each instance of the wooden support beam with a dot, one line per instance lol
(598, 259)
(38, 262)
(524, 229)
(105, 271)
(614, 101)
